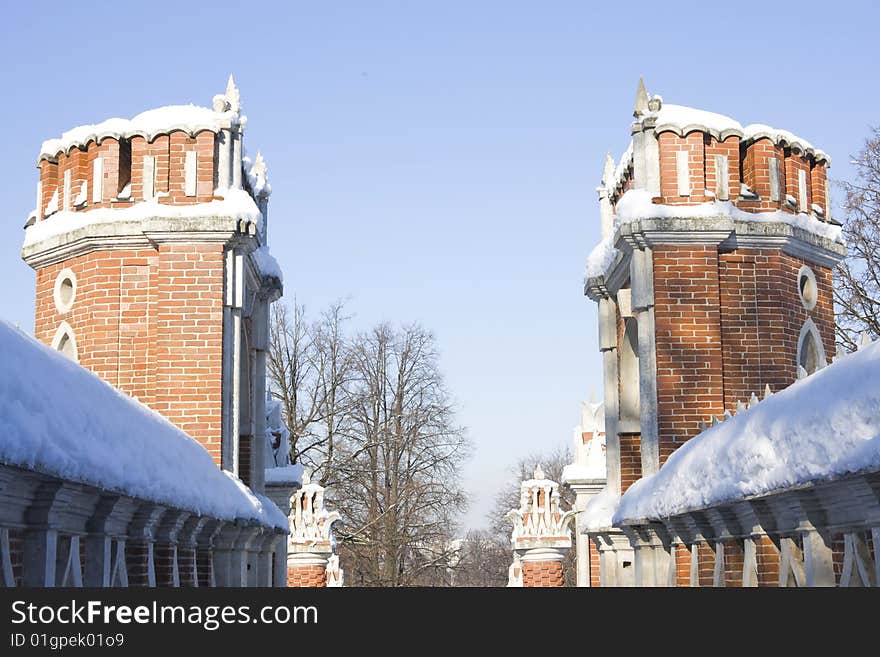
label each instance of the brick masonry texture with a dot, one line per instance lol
(542, 574)
(307, 577)
(149, 322)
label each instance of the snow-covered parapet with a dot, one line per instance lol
(311, 524)
(599, 511)
(150, 124)
(59, 419)
(539, 521)
(589, 445)
(823, 426)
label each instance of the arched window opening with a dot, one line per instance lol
(65, 342)
(810, 352)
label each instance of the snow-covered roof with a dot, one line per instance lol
(823, 426)
(163, 120)
(682, 120)
(59, 419)
(236, 204)
(755, 131)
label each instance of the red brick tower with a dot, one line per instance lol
(149, 245)
(713, 281)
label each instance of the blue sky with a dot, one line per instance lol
(437, 161)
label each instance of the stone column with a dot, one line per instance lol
(541, 536)
(586, 477)
(310, 544)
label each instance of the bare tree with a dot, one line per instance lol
(308, 369)
(372, 416)
(399, 469)
(857, 290)
(484, 558)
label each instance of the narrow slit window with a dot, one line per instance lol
(123, 189)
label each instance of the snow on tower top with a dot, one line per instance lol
(190, 118)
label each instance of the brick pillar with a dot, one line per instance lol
(542, 567)
(307, 570)
(541, 536)
(310, 543)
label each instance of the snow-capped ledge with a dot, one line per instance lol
(822, 427)
(599, 512)
(640, 220)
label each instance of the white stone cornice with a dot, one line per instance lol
(129, 235)
(533, 555)
(307, 559)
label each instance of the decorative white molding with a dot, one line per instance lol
(311, 524)
(58, 342)
(539, 522)
(810, 329)
(61, 305)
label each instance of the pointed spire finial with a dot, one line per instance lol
(702, 424)
(233, 96)
(753, 400)
(767, 391)
(740, 406)
(307, 477)
(608, 171)
(864, 339)
(641, 99)
(539, 473)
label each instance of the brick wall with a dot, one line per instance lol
(595, 574)
(688, 341)
(16, 553)
(682, 565)
(706, 563)
(163, 558)
(767, 554)
(185, 566)
(734, 557)
(630, 459)
(169, 176)
(542, 574)
(112, 315)
(204, 566)
(761, 319)
(308, 577)
(189, 340)
(756, 174)
(136, 562)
